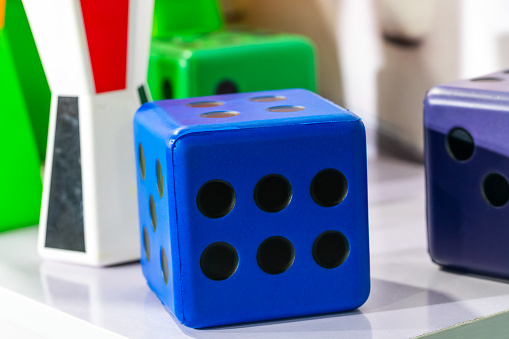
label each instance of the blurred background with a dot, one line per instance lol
(376, 58)
(379, 57)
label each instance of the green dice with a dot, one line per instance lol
(172, 17)
(23, 132)
(192, 55)
(228, 62)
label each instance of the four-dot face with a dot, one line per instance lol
(230, 113)
(263, 205)
(466, 170)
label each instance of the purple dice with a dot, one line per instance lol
(467, 169)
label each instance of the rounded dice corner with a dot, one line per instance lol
(363, 295)
(434, 257)
(360, 125)
(432, 94)
(145, 107)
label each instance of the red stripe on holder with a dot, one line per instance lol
(106, 27)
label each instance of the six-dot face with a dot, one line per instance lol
(272, 194)
(466, 169)
(260, 190)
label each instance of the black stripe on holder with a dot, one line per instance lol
(64, 228)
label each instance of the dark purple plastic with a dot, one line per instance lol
(466, 229)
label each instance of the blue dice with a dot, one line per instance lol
(252, 206)
(467, 166)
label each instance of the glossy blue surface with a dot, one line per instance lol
(465, 231)
(241, 150)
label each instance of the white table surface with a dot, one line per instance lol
(410, 295)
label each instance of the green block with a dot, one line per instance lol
(20, 178)
(29, 71)
(229, 61)
(172, 17)
(25, 94)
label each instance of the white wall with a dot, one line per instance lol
(382, 81)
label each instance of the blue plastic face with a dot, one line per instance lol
(259, 154)
(467, 162)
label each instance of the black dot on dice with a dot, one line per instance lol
(330, 249)
(275, 255)
(153, 212)
(273, 193)
(202, 104)
(285, 109)
(487, 79)
(219, 114)
(141, 161)
(146, 243)
(219, 261)
(164, 265)
(159, 176)
(460, 144)
(268, 98)
(226, 87)
(329, 187)
(215, 199)
(495, 189)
